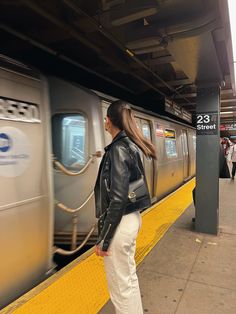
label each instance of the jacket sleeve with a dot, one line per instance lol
(119, 178)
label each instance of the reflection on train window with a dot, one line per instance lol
(146, 131)
(71, 147)
(170, 143)
(138, 123)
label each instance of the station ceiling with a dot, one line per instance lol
(138, 50)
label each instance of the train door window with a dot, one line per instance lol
(70, 139)
(148, 162)
(146, 130)
(184, 136)
(139, 126)
(184, 142)
(170, 143)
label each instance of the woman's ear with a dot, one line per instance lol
(106, 123)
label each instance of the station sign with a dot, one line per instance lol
(228, 127)
(207, 123)
(178, 111)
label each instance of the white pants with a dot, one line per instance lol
(120, 267)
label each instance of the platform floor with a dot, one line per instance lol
(80, 287)
(189, 272)
(180, 271)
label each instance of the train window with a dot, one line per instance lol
(70, 144)
(146, 130)
(170, 143)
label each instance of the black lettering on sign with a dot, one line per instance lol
(207, 123)
(18, 111)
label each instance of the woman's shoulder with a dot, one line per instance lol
(128, 143)
(120, 146)
(125, 145)
(132, 148)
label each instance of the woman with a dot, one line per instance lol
(233, 159)
(119, 217)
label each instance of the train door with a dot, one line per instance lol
(25, 202)
(77, 146)
(145, 127)
(185, 150)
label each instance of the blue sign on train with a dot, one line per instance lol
(5, 142)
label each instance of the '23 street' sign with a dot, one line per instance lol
(207, 123)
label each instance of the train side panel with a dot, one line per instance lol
(170, 157)
(25, 202)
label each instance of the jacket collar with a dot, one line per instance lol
(119, 136)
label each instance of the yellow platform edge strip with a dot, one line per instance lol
(80, 287)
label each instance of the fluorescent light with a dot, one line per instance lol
(228, 100)
(232, 22)
(232, 18)
(234, 65)
(227, 107)
(227, 112)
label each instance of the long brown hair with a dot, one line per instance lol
(121, 116)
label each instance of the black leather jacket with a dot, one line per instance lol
(117, 170)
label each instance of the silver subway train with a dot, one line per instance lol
(51, 142)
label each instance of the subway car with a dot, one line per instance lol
(52, 139)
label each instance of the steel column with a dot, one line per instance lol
(207, 150)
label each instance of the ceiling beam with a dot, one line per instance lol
(187, 104)
(183, 81)
(132, 10)
(59, 23)
(194, 94)
(160, 60)
(188, 95)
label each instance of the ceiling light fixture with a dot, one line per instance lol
(227, 112)
(232, 20)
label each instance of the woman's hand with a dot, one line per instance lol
(99, 252)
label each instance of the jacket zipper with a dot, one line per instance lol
(108, 229)
(102, 214)
(108, 190)
(100, 180)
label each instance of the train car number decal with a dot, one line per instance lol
(18, 111)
